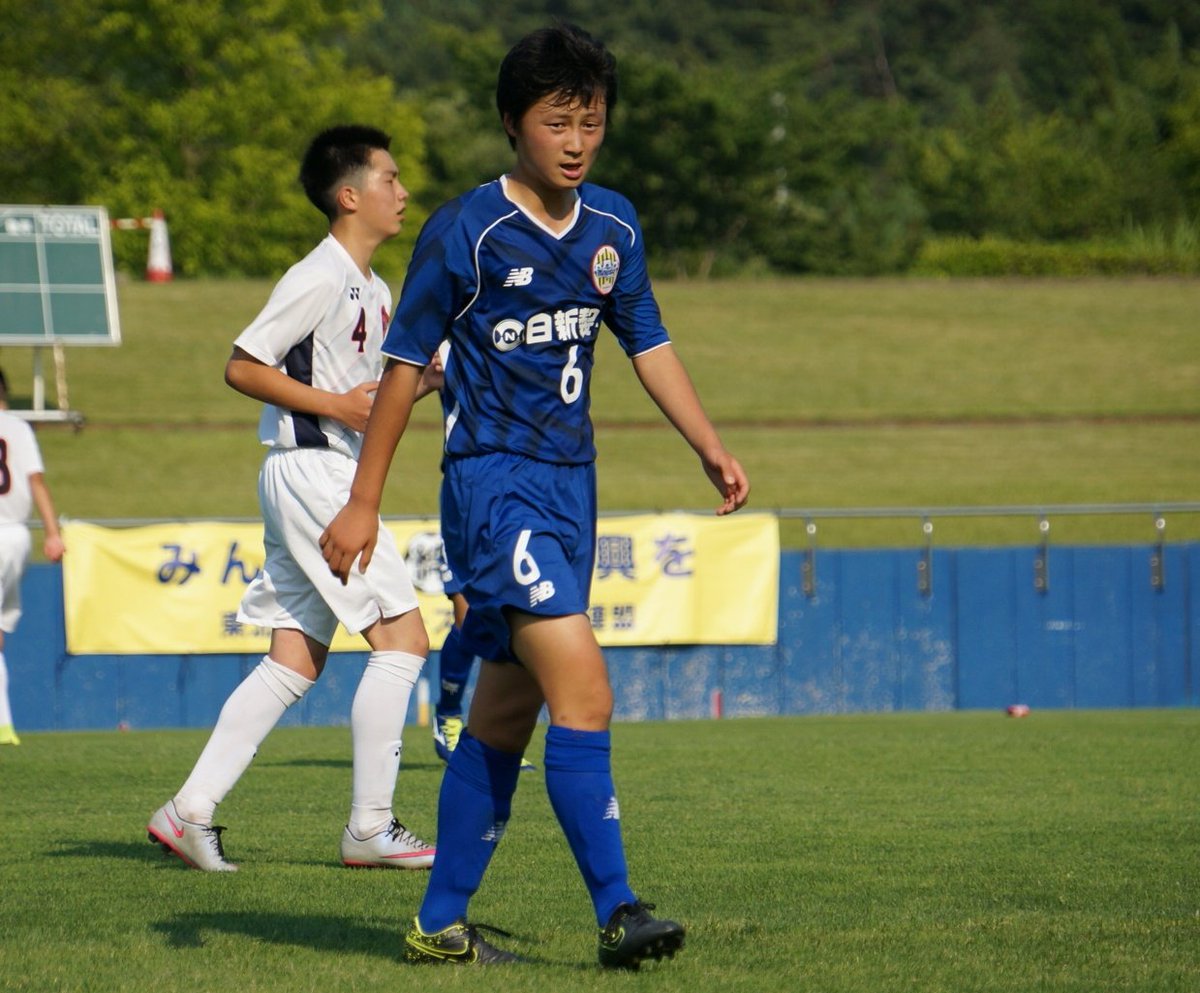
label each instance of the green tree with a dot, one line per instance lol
(688, 151)
(205, 108)
(845, 201)
(55, 111)
(465, 143)
(799, 134)
(1181, 145)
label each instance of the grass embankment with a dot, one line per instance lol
(833, 393)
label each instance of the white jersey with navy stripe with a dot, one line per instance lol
(323, 326)
(20, 458)
(522, 307)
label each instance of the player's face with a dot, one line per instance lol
(556, 142)
(382, 197)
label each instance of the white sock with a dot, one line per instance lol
(5, 711)
(247, 717)
(376, 726)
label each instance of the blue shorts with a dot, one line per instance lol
(520, 535)
(450, 583)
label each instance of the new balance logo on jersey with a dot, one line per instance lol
(613, 811)
(519, 277)
(541, 592)
(355, 291)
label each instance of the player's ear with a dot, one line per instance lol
(510, 126)
(347, 199)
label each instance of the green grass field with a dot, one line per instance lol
(833, 393)
(947, 852)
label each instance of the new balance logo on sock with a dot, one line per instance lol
(495, 832)
(613, 811)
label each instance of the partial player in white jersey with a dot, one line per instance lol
(22, 489)
(313, 357)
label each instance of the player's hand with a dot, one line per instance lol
(730, 480)
(353, 407)
(433, 377)
(54, 549)
(351, 534)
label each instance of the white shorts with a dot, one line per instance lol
(300, 491)
(14, 554)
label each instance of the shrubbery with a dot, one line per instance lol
(994, 256)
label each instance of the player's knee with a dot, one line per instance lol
(405, 633)
(591, 711)
(507, 731)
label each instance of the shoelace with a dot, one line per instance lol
(215, 833)
(474, 929)
(403, 835)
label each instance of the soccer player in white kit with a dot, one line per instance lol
(313, 357)
(22, 488)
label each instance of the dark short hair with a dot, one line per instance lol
(563, 60)
(333, 157)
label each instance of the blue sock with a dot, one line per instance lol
(473, 808)
(579, 782)
(454, 668)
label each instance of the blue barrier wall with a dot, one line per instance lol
(865, 638)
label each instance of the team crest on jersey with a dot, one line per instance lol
(606, 263)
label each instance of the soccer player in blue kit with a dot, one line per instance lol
(455, 659)
(519, 274)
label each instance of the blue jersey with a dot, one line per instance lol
(522, 307)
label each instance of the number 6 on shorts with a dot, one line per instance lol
(525, 567)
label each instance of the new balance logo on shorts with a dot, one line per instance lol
(541, 592)
(519, 277)
(612, 812)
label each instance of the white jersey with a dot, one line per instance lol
(323, 326)
(20, 458)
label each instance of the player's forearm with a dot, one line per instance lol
(44, 505)
(389, 417)
(269, 385)
(665, 379)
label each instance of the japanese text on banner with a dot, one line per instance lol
(659, 579)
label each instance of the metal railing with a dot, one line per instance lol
(926, 515)
(1041, 513)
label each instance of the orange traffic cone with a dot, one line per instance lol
(158, 266)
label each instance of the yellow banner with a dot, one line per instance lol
(174, 588)
(686, 579)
